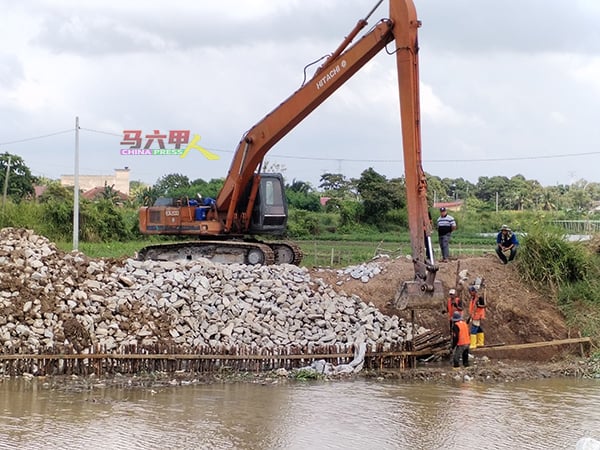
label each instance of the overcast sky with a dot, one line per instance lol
(507, 87)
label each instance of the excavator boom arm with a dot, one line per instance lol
(408, 86)
(240, 208)
(400, 27)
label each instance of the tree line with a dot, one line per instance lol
(338, 204)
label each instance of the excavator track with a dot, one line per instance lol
(227, 252)
(286, 252)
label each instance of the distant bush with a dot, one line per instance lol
(303, 223)
(99, 221)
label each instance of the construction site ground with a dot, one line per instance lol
(516, 314)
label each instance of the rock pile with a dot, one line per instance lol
(49, 299)
(363, 272)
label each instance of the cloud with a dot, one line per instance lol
(434, 109)
(527, 27)
(11, 71)
(513, 79)
(587, 72)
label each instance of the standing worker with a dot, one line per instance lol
(460, 341)
(455, 304)
(477, 314)
(445, 225)
(506, 241)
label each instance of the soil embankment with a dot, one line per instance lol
(516, 313)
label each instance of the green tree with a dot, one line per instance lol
(549, 200)
(148, 196)
(57, 192)
(578, 198)
(135, 187)
(435, 188)
(518, 194)
(58, 216)
(336, 185)
(379, 195)
(110, 194)
(301, 195)
(351, 213)
(487, 188)
(206, 189)
(169, 184)
(102, 221)
(300, 200)
(299, 186)
(20, 181)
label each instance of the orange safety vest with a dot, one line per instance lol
(477, 312)
(464, 337)
(453, 305)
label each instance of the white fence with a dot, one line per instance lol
(579, 226)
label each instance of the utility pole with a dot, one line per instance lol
(6, 183)
(76, 189)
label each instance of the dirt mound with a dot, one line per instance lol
(516, 313)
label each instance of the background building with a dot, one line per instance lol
(119, 181)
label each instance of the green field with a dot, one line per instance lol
(317, 253)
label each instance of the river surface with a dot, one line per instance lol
(540, 414)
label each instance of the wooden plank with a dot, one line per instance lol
(534, 344)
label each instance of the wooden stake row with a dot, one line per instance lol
(168, 358)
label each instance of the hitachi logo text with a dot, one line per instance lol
(328, 77)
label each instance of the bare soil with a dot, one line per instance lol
(516, 314)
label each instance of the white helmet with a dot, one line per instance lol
(452, 291)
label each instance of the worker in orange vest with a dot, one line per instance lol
(454, 304)
(477, 314)
(460, 340)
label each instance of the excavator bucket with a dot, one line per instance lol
(424, 292)
(419, 295)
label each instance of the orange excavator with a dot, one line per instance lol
(252, 203)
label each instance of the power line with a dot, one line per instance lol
(101, 132)
(516, 158)
(43, 136)
(339, 160)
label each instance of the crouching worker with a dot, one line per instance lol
(460, 341)
(506, 243)
(477, 315)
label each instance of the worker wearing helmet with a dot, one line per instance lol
(460, 341)
(455, 304)
(477, 314)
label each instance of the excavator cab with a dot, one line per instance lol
(270, 212)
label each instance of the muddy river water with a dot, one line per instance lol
(552, 414)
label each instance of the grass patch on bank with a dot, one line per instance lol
(105, 249)
(566, 271)
(317, 253)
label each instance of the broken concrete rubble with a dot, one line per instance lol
(50, 300)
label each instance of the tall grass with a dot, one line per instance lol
(548, 260)
(568, 272)
(20, 215)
